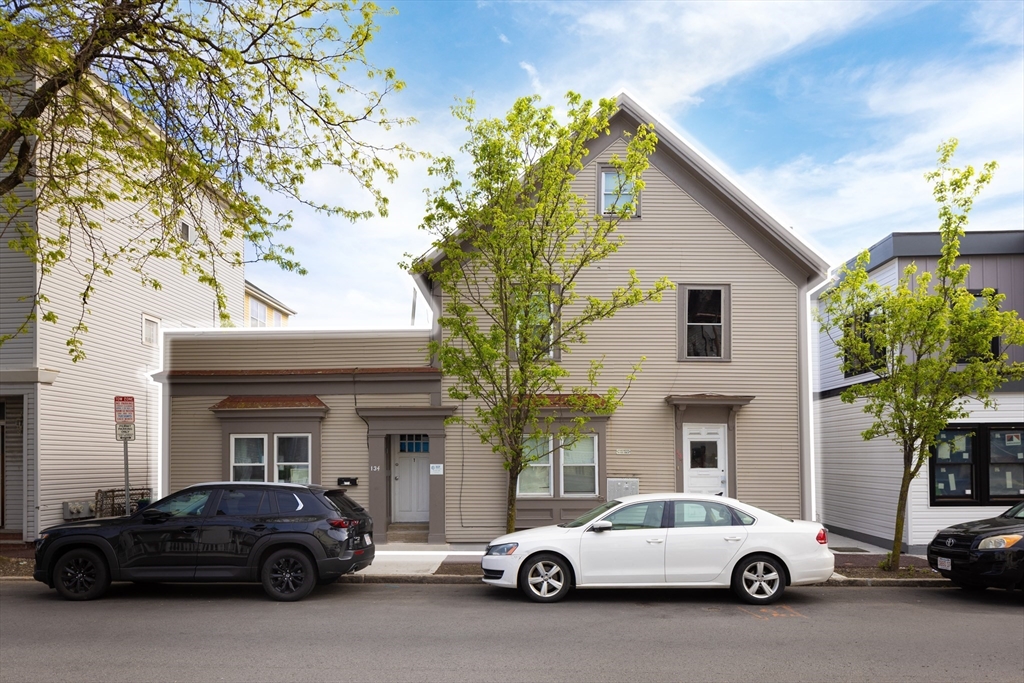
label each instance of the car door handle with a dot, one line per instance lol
(734, 538)
(190, 529)
(259, 527)
(655, 540)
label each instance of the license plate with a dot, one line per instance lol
(367, 540)
(945, 563)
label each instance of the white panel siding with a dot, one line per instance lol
(261, 349)
(678, 238)
(828, 374)
(196, 449)
(927, 519)
(859, 480)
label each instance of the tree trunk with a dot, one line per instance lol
(892, 563)
(510, 501)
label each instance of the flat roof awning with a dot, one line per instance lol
(708, 400)
(294, 405)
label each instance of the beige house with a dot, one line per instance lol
(366, 410)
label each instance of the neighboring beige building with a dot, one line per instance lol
(730, 416)
(263, 310)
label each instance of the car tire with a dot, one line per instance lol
(545, 578)
(759, 579)
(288, 575)
(81, 574)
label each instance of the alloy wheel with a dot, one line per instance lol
(79, 575)
(761, 579)
(546, 578)
(287, 575)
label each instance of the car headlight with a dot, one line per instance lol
(503, 549)
(998, 542)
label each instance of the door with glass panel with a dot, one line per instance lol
(410, 472)
(704, 459)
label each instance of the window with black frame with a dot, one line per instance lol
(978, 465)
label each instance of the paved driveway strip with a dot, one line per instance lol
(389, 632)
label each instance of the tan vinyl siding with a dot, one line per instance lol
(14, 464)
(678, 238)
(196, 449)
(343, 447)
(392, 400)
(278, 349)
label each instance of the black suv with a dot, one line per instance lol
(289, 537)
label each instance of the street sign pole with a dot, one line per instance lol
(124, 421)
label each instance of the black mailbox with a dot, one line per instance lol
(348, 481)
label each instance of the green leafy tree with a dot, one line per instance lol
(184, 109)
(513, 241)
(928, 341)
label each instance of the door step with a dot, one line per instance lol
(408, 533)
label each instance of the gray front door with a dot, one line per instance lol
(410, 495)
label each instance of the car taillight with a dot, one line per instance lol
(822, 537)
(342, 523)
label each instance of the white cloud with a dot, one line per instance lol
(847, 204)
(999, 22)
(534, 78)
(503, 38)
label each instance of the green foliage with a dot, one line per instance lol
(927, 341)
(186, 110)
(512, 242)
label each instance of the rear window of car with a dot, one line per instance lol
(303, 502)
(344, 504)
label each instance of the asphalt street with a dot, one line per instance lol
(413, 632)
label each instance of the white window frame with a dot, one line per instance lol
(278, 318)
(605, 172)
(561, 469)
(309, 454)
(185, 232)
(255, 305)
(551, 471)
(262, 437)
(146, 318)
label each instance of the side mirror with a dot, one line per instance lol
(153, 515)
(602, 525)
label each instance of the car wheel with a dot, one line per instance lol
(81, 574)
(545, 578)
(759, 580)
(288, 575)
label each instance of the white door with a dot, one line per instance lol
(704, 459)
(411, 492)
(632, 551)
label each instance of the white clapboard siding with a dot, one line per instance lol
(828, 374)
(677, 238)
(262, 349)
(927, 519)
(78, 452)
(14, 463)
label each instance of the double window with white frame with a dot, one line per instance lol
(291, 458)
(570, 469)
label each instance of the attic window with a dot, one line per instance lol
(615, 192)
(185, 232)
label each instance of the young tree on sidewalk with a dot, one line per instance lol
(512, 242)
(928, 341)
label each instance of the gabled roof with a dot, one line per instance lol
(257, 293)
(699, 178)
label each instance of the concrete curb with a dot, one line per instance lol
(411, 578)
(888, 583)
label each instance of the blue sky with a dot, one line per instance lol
(827, 114)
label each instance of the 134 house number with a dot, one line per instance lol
(375, 468)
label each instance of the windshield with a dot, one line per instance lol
(1016, 512)
(596, 512)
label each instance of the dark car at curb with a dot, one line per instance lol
(289, 537)
(988, 553)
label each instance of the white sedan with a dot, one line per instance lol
(673, 540)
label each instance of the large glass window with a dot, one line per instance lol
(694, 513)
(257, 313)
(979, 465)
(703, 322)
(292, 458)
(579, 467)
(248, 457)
(535, 479)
